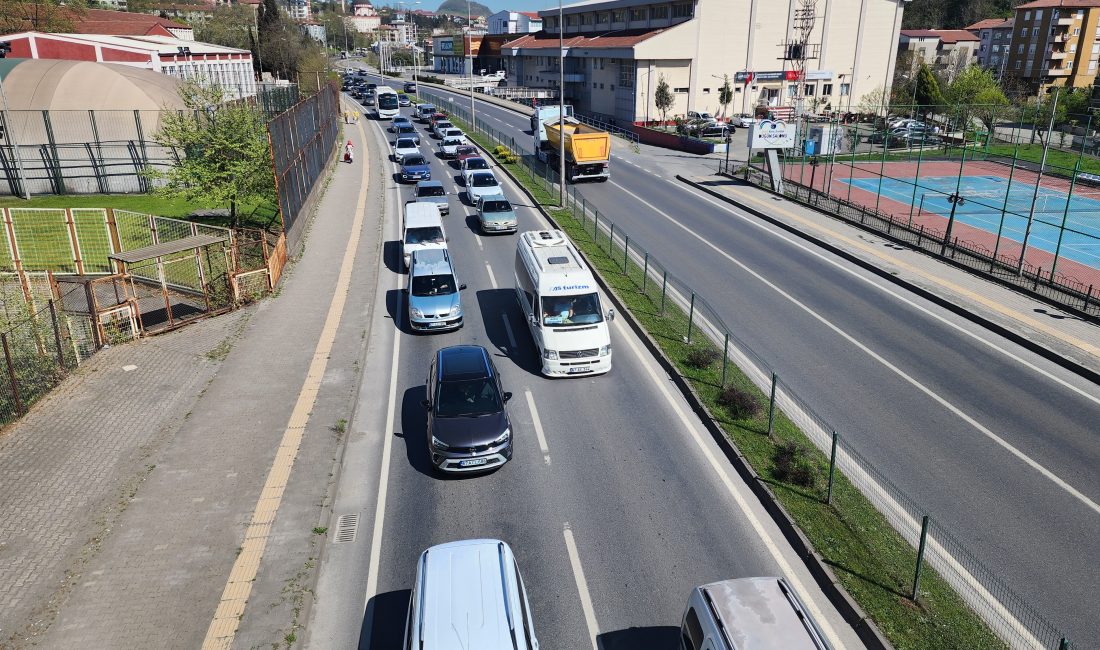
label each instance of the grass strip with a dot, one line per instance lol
(870, 559)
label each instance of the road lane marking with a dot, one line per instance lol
(477, 237)
(492, 278)
(223, 627)
(582, 586)
(539, 433)
(1007, 446)
(720, 470)
(511, 336)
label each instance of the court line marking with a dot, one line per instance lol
(582, 586)
(1007, 446)
(227, 617)
(539, 433)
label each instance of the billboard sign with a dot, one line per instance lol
(446, 46)
(771, 134)
(767, 76)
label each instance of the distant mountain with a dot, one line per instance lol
(458, 8)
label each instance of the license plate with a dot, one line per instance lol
(436, 324)
(574, 371)
(473, 462)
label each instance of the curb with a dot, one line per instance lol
(955, 308)
(826, 580)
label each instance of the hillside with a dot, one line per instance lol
(953, 14)
(458, 8)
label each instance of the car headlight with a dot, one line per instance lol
(550, 355)
(415, 312)
(504, 437)
(605, 351)
(439, 444)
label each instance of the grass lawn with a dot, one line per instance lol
(1055, 157)
(264, 215)
(871, 560)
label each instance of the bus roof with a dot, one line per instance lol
(559, 265)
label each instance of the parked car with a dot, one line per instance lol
(440, 128)
(701, 117)
(448, 147)
(403, 100)
(466, 151)
(481, 184)
(468, 425)
(400, 120)
(496, 214)
(470, 165)
(435, 303)
(741, 120)
(404, 147)
(432, 192)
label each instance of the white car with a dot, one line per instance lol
(448, 147)
(441, 127)
(742, 121)
(455, 133)
(471, 165)
(482, 184)
(403, 147)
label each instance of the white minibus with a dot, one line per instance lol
(387, 102)
(561, 304)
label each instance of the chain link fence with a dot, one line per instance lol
(682, 315)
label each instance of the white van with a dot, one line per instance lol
(422, 229)
(469, 595)
(758, 613)
(558, 296)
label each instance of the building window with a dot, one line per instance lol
(1017, 66)
(827, 90)
(1073, 47)
(792, 90)
(659, 12)
(681, 10)
(618, 16)
(1076, 31)
(810, 88)
(1027, 15)
(1038, 15)
(1020, 48)
(571, 20)
(845, 90)
(1023, 32)
(1092, 65)
(680, 90)
(1031, 50)
(996, 36)
(1080, 14)
(603, 17)
(626, 74)
(637, 14)
(552, 22)
(588, 19)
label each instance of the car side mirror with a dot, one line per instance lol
(426, 404)
(534, 321)
(507, 396)
(461, 287)
(610, 314)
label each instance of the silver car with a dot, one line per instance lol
(433, 292)
(432, 192)
(481, 184)
(495, 214)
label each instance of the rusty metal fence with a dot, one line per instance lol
(303, 139)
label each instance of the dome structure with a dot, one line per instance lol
(63, 85)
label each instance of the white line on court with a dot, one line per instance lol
(896, 370)
(508, 329)
(492, 278)
(582, 586)
(539, 433)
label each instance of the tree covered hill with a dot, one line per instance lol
(952, 14)
(458, 8)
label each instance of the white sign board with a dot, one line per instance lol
(771, 134)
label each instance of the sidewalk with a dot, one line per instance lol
(125, 495)
(1050, 331)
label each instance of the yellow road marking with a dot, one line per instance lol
(951, 286)
(223, 628)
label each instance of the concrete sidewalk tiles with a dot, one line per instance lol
(124, 497)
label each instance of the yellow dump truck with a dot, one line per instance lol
(587, 150)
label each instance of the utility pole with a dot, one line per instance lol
(561, 107)
(469, 45)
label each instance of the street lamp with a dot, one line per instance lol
(561, 107)
(469, 45)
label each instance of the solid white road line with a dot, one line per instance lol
(478, 238)
(720, 469)
(539, 433)
(511, 337)
(582, 586)
(1051, 476)
(492, 278)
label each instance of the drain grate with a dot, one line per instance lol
(346, 528)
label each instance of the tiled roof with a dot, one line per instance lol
(990, 23)
(1069, 4)
(948, 36)
(613, 39)
(123, 23)
(533, 15)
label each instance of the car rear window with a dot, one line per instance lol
(476, 163)
(496, 206)
(415, 160)
(427, 235)
(430, 191)
(484, 180)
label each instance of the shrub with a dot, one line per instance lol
(792, 464)
(700, 358)
(504, 154)
(739, 403)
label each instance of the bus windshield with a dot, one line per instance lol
(387, 101)
(579, 309)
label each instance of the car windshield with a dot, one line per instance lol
(430, 190)
(468, 398)
(442, 126)
(578, 309)
(476, 163)
(484, 180)
(465, 149)
(406, 143)
(433, 285)
(400, 121)
(452, 142)
(425, 235)
(410, 161)
(406, 128)
(496, 206)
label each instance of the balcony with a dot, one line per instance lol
(1064, 21)
(1059, 72)
(1056, 56)
(574, 77)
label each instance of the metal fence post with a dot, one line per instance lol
(771, 405)
(611, 239)
(920, 556)
(832, 470)
(11, 374)
(725, 358)
(664, 286)
(596, 227)
(691, 316)
(645, 276)
(56, 334)
(626, 251)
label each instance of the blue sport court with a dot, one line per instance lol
(985, 198)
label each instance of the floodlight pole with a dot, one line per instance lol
(1038, 181)
(469, 45)
(561, 107)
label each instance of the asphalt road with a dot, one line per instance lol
(637, 483)
(998, 444)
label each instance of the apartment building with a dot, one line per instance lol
(514, 22)
(995, 39)
(616, 51)
(364, 19)
(1055, 43)
(940, 49)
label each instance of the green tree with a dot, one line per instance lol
(873, 102)
(725, 94)
(228, 26)
(926, 93)
(975, 94)
(40, 15)
(223, 150)
(662, 98)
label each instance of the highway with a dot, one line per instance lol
(616, 503)
(999, 444)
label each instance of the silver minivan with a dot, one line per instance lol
(757, 613)
(469, 595)
(433, 292)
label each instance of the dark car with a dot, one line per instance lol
(408, 131)
(468, 426)
(410, 87)
(415, 168)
